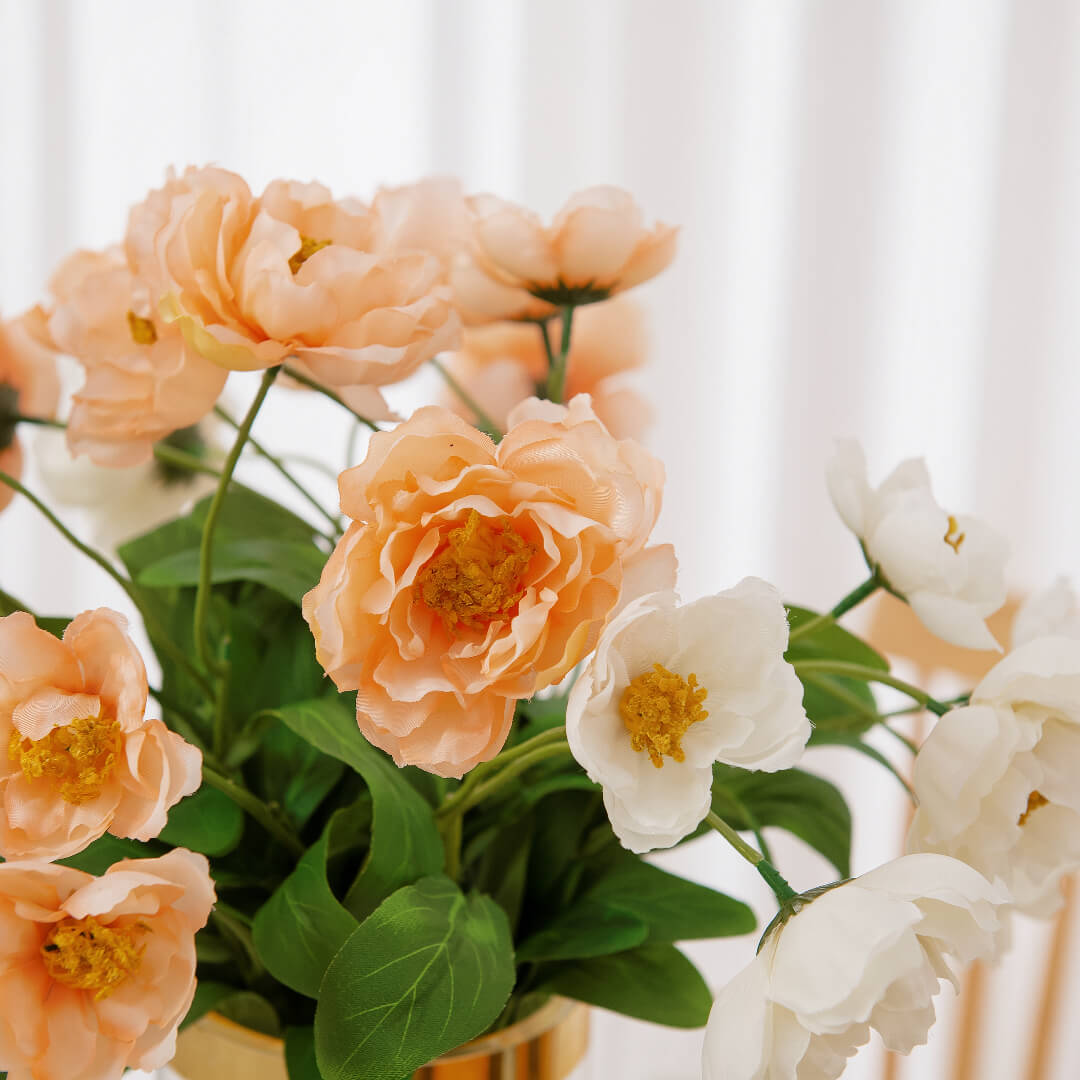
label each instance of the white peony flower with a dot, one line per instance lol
(1054, 611)
(950, 569)
(997, 780)
(668, 691)
(870, 953)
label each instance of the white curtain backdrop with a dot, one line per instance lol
(881, 238)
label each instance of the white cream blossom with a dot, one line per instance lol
(949, 568)
(868, 954)
(1054, 611)
(996, 780)
(669, 690)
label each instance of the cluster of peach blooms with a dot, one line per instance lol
(554, 519)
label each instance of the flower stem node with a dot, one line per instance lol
(83, 954)
(658, 708)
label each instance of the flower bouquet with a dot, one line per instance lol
(389, 786)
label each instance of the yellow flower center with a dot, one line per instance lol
(477, 577)
(308, 247)
(83, 954)
(78, 758)
(953, 536)
(142, 330)
(1035, 800)
(658, 708)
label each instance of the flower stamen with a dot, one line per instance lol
(78, 758)
(953, 537)
(478, 576)
(657, 708)
(308, 247)
(85, 955)
(1035, 800)
(142, 330)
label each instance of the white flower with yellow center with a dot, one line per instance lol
(668, 691)
(949, 568)
(996, 780)
(868, 954)
(1052, 612)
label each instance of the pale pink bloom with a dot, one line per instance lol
(293, 276)
(475, 574)
(518, 268)
(500, 365)
(82, 1008)
(78, 757)
(28, 385)
(143, 381)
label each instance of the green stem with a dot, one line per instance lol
(515, 768)
(451, 834)
(161, 637)
(557, 376)
(311, 384)
(282, 470)
(856, 596)
(869, 674)
(542, 326)
(899, 736)
(775, 880)
(239, 933)
(38, 421)
(483, 420)
(206, 547)
(252, 805)
(170, 455)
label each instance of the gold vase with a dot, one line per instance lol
(548, 1045)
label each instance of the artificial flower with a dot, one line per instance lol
(949, 568)
(1052, 612)
(143, 381)
(290, 275)
(670, 690)
(78, 758)
(502, 364)
(996, 779)
(29, 386)
(870, 953)
(474, 574)
(96, 974)
(518, 268)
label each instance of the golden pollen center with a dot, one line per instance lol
(477, 577)
(78, 759)
(658, 708)
(1035, 800)
(308, 247)
(83, 954)
(953, 536)
(142, 330)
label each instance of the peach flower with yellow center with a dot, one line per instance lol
(143, 381)
(78, 758)
(293, 275)
(97, 973)
(502, 364)
(518, 268)
(474, 574)
(29, 386)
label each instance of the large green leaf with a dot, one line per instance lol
(207, 821)
(652, 982)
(300, 928)
(405, 845)
(293, 772)
(428, 970)
(800, 802)
(300, 1054)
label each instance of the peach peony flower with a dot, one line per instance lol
(502, 364)
(97, 973)
(77, 756)
(475, 574)
(517, 268)
(293, 274)
(143, 381)
(28, 385)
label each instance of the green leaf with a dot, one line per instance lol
(208, 995)
(294, 772)
(587, 929)
(830, 641)
(405, 845)
(800, 802)
(250, 1010)
(502, 869)
(105, 851)
(207, 821)
(652, 982)
(428, 970)
(55, 625)
(300, 1054)
(300, 928)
